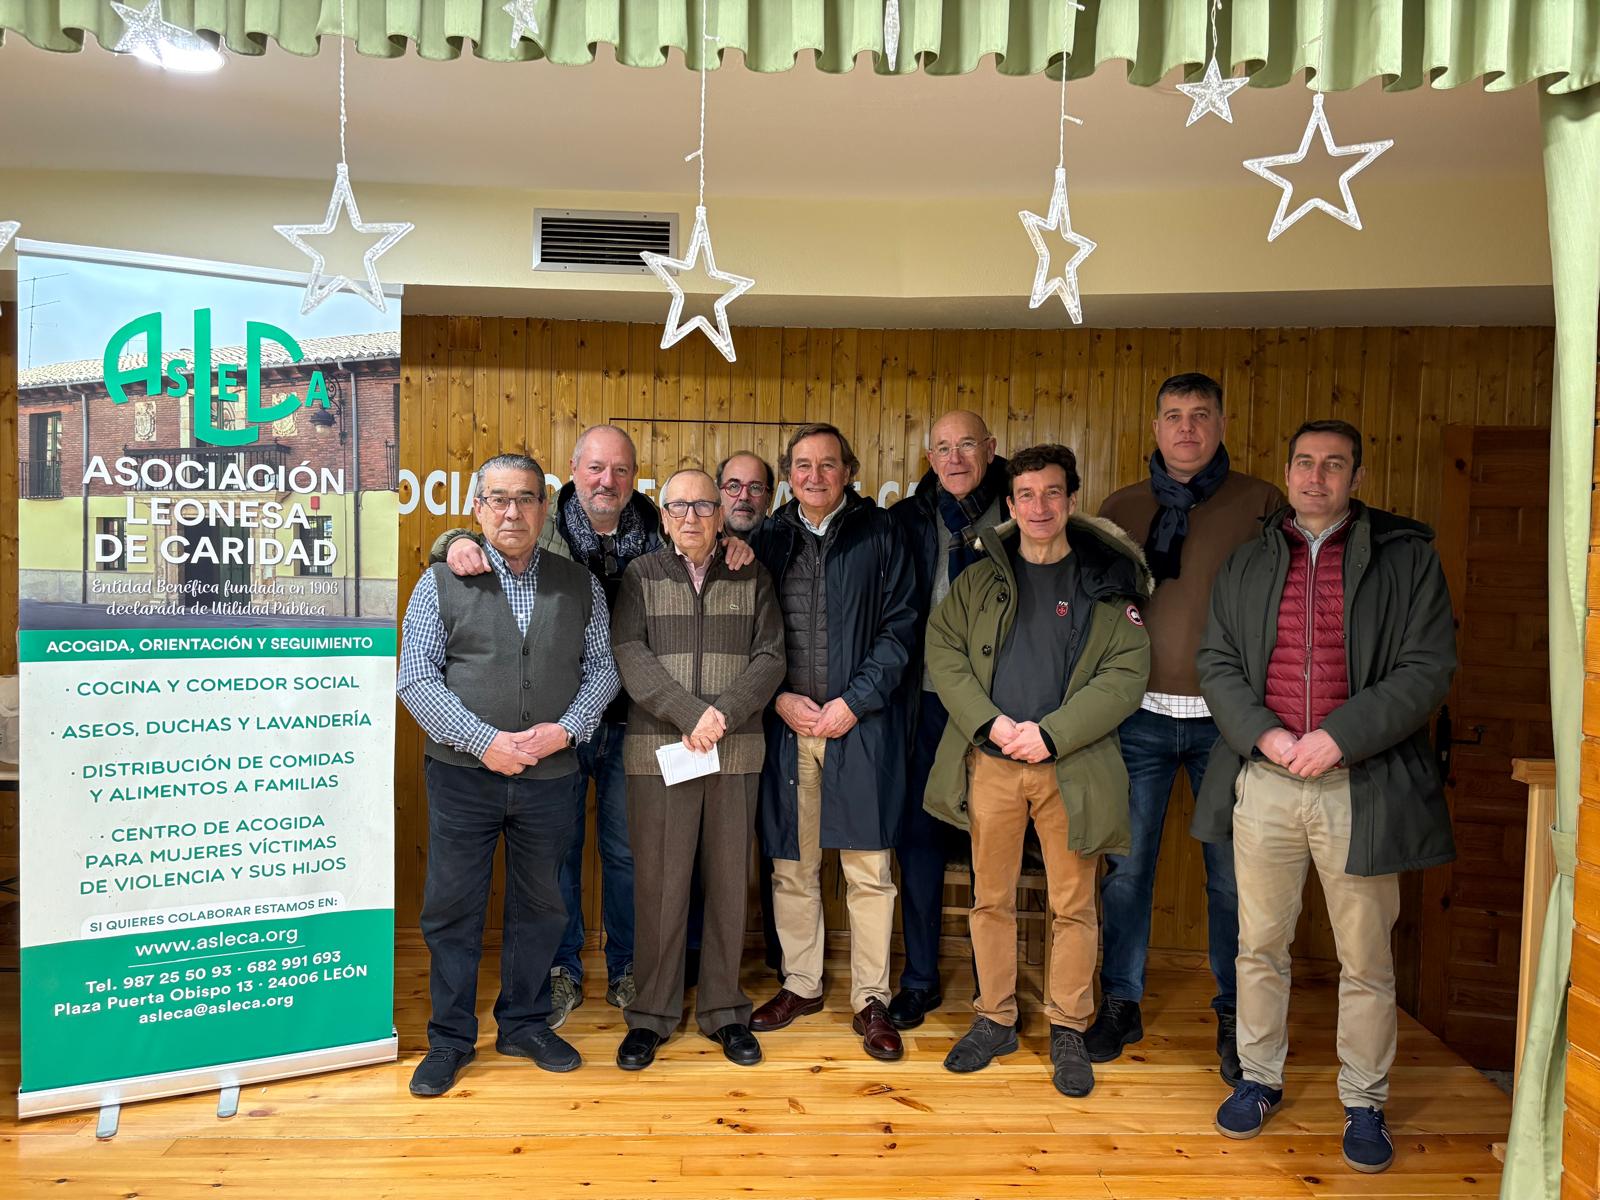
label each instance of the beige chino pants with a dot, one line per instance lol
(1282, 824)
(797, 899)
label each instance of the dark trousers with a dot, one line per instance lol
(600, 759)
(712, 819)
(468, 809)
(1154, 747)
(926, 844)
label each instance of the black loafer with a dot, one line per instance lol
(738, 1044)
(638, 1049)
(911, 1005)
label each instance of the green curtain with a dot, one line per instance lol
(1407, 43)
(1571, 125)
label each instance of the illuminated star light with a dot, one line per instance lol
(524, 21)
(891, 32)
(1319, 122)
(319, 288)
(1212, 93)
(663, 267)
(1064, 285)
(151, 38)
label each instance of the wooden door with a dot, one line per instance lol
(1492, 541)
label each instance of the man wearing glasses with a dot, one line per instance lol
(699, 646)
(746, 483)
(505, 671)
(602, 523)
(962, 494)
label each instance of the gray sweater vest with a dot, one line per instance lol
(508, 679)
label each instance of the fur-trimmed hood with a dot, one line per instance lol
(1112, 564)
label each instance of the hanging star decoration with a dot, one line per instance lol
(524, 21)
(319, 287)
(1212, 93)
(1059, 219)
(891, 32)
(1318, 124)
(8, 230)
(664, 267)
(151, 38)
(699, 244)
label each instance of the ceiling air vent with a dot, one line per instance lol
(566, 239)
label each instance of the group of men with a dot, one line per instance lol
(923, 683)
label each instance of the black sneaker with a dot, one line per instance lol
(1073, 1076)
(1228, 1048)
(436, 1073)
(1117, 1024)
(986, 1041)
(911, 1005)
(547, 1048)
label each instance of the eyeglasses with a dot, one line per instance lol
(499, 501)
(680, 508)
(755, 491)
(966, 448)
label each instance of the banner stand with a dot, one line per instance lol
(114, 1093)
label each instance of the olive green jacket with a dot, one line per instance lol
(1105, 680)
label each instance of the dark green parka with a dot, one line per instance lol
(1105, 678)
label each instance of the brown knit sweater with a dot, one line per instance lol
(679, 652)
(1175, 616)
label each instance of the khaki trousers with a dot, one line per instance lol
(1282, 824)
(1001, 796)
(797, 899)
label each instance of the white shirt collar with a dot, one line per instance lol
(821, 530)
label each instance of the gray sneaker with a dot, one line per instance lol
(566, 993)
(622, 991)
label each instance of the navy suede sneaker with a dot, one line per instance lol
(1367, 1145)
(1244, 1113)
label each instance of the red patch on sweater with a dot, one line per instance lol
(1061, 608)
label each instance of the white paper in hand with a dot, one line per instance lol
(680, 764)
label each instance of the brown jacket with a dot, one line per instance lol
(679, 652)
(1176, 615)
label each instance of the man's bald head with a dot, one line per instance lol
(960, 449)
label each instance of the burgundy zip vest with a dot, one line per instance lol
(1307, 675)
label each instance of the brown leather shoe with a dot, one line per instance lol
(879, 1037)
(783, 1010)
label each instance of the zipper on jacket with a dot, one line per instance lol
(1311, 624)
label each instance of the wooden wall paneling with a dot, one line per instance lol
(1405, 397)
(693, 364)
(1378, 372)
(1264, 426)
(895, 391)
(770, 436)
(919, 404)
(1495, 358)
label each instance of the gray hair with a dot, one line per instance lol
(509, 461)
(577, 446)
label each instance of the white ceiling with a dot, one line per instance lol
(800, 133)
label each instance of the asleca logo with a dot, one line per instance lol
(212, 382)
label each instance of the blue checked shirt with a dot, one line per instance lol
(421, 687)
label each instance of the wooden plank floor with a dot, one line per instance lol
(816, 1119)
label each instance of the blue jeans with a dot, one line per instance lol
(600, 759)
(468, 809)
(1154, 747)
(926, 844)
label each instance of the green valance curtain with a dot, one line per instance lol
(1407, 43)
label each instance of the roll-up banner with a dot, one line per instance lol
(207, 572)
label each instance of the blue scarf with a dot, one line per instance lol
(1163, 547)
